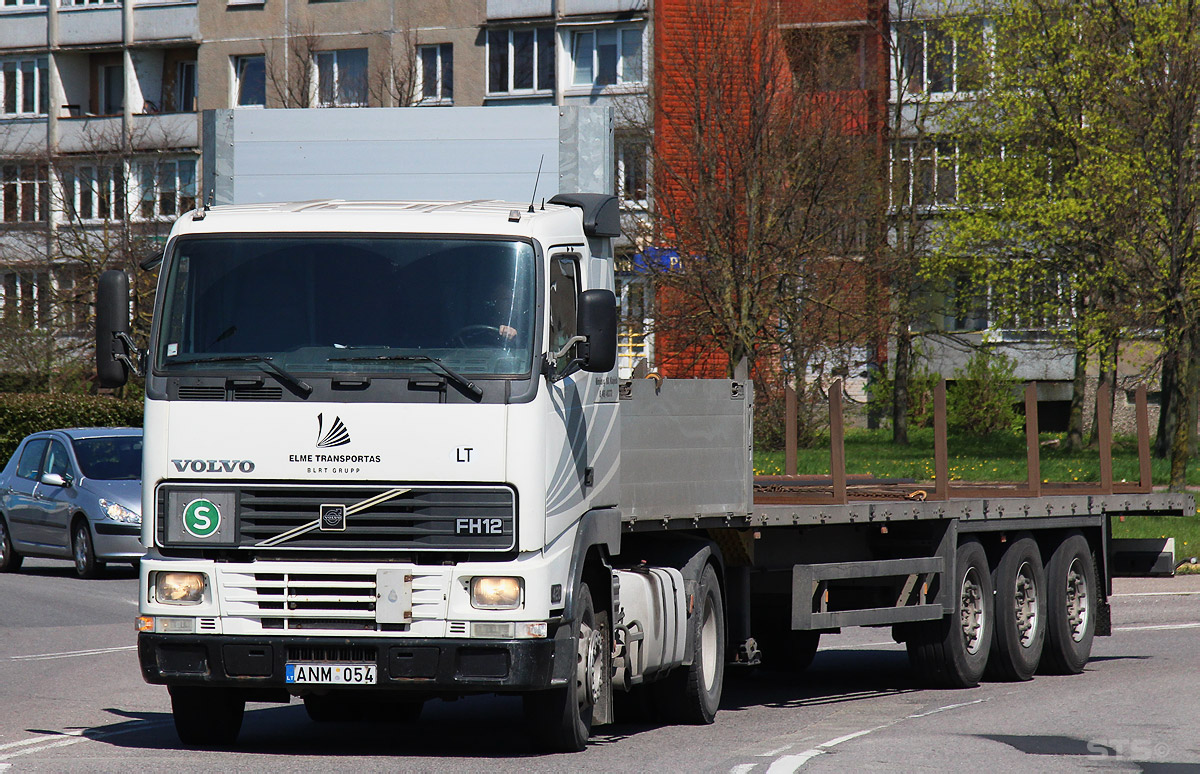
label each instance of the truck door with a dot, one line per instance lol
(20, 506)
(567, 429)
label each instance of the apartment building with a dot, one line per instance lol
(100, 101)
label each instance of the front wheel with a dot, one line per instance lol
(560, 719)
(84, 552)
(1074, 596)
(206, 717)
(692, 694)
(10, 560)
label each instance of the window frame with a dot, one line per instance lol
(236, 62)
(335, 55)
(150, 191)
(620, 83)
(24, 192)
(13, 83)
(542, 35)
(443, 74)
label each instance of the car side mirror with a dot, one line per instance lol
(56, 479)
(597, 322)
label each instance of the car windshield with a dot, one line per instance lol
(112, 458)
(326, 304)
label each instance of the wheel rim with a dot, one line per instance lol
(1025, 598)
(588, 676)
(1079, 610)
(81, 553)
(708, 645)
(971, 611)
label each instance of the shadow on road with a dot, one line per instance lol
(50, 568)
(493, 726)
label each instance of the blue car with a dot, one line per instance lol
(73, 494)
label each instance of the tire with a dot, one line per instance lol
(206, 717)
(787, 650)
(1074, 601)
(692, 694)
(560, 719)
(952, 652)
(10, 560)
(1020, 631)
(84, 552)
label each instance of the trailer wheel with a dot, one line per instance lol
(692, 694)
(1020, 631)
(1073, 598)
(953, 651)
(789, 650)
(560, 719)
(206, 717)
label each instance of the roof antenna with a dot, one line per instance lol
(533, 198)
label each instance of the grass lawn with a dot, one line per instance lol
(996, 458)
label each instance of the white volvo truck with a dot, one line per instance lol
(388, 459)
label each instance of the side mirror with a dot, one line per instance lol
(112, 323)
(56, 479)
(597, 321)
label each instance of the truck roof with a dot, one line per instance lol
(484, 216)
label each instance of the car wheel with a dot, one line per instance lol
(84, 552)
(10, 560)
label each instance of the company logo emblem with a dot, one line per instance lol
(337, 434)
(333, 518)
(201, 518)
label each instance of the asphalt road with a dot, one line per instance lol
(71, 699)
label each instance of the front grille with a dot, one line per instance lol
(257, 393)
(201, 392)
(306, 598)
(342, 654)
(287, 518)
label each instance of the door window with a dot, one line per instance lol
(57, 460)
(31, 459)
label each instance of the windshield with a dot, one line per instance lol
(116, 458)
(315, 304)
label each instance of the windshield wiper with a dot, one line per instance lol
(455, 376)
(269, 362)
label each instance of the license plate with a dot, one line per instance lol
(331, 674)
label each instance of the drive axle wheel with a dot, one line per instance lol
(692, 694)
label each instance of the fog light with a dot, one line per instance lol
(496, 593)
(179, 588)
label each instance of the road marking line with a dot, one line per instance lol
(72, 653)
(1156, 627)
(742, 768)
(773, 753)
(73, 737)
(43, 748)
(1156, 594)
(947, 707)
(789, 764)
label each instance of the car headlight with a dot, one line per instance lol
(496, 593)
(118, 512)
(179, 588)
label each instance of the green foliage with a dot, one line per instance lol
(920, 395)
(25, 413)
(982, 399)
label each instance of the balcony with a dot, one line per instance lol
(22, 137)
(504, 10)
(24, 30)
(89, 25)
(597, 7)
(166, 21)
(149, 132)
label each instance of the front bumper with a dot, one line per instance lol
(430, 666)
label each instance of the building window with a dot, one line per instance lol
(185, 87)
(24, 86)
(250, 80)
(168, 188)
(436, 74)
(925, 174)
(607, 56)
(112, 90)
(342, 78)
(22, 3)
(24, 193)
(520, 61)
(633, 171)
(83, 3)
(94, 192)
(933, 61)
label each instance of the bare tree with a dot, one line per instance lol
(290, 65)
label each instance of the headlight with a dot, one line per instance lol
(179, 588)
(118, 512)
(496, 593)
